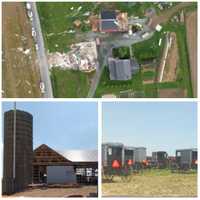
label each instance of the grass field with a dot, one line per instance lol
(69, 83)
(149, 49)
(57, 19)
(153, 183)
(106, 86)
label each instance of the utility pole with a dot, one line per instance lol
(14, 139)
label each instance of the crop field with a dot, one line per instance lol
(20, 70)
(191, 26)
(153, 183)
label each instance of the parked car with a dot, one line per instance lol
(42, 87)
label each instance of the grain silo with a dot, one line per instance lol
(18, 151)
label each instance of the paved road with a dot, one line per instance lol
(41, 53)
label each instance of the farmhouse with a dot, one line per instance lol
(111, 21)
(122, 69)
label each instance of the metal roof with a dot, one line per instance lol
(109, 26)
(113, 144)
(80, 155)
(122, 69)
(189, 149)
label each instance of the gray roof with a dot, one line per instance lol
(189, 149)
(117, 144)
(106, 14)
(80, 155)
(122, 69)
(108, 25)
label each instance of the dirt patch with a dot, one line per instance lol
(191, 26)
(171, 61)
(166, 15)
(172, 93)
(57, 192)
(20, 70)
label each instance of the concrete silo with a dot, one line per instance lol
(18, 151)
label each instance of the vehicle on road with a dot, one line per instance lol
(42, 87)
(30, 15)
(28, 6)
(33, 32)
(36, 46)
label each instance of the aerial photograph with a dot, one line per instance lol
(99, 49)
(149, 149)
(50, 149)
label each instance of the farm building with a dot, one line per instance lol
(111, 21)
(64, 167)
(122, 69)
(85, 164)
(44, 157)
(18, 149)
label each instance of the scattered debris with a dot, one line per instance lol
(83, 57)
(158, 28)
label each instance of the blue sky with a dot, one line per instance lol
(155, 125)
(62, 125)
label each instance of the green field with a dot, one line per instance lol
(153, 183)
(57, 18)
(69, 83)
(149, 49)
(106, 86)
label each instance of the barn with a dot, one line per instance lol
(65, 167)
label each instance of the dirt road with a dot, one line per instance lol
(57, 192)
(171, 61)
(191, 26)
(19, 65)
(166, 15)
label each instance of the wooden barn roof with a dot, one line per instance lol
(44, 155)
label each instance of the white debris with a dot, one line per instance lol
(27, 51)
(79, 8)
(20, 49)
(72, 8)
(158, 28)
(83, 57)
(160, 42)
(27, 82)
(146, 34)
(86, 14)
(71, 31)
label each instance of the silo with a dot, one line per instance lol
(18, 151)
